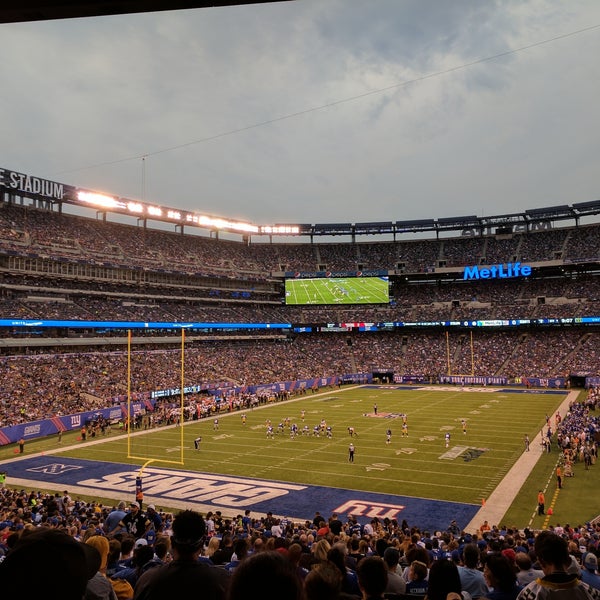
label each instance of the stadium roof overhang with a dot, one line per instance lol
(17, 11)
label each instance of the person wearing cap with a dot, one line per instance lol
(134, 521)
(557, 583)
(154, 517)
(185, 577)
(589, 572)
(395, 582)
(99, 586)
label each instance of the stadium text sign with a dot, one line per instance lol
(31, 185)
(505, 271)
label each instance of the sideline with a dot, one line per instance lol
(506, 491)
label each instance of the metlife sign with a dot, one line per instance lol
(503, 271)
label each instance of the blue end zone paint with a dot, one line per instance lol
(233, 495)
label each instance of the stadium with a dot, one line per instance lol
(471, 320)
(328, 391)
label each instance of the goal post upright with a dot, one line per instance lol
(147, 460)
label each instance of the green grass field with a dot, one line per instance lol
(347, 290)
(416, 465)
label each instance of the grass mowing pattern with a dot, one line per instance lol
(412, 465)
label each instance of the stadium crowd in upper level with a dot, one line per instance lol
(41, 233)
(66, 267)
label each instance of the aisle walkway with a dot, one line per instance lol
(502, 497)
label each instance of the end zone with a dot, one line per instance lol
(181, 489)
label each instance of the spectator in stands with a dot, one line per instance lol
(553, 556)
(526, 573)
(324, 582)
(99, 586)
(444, 580)
(395, 584)
(48, 563)
(184, 576)
(269, 575)
(372, 577)
(471, 577)
(589, 572)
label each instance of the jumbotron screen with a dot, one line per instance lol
(337, 290)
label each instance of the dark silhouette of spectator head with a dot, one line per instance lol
(189, 530)
(500, 573)
(323, 582)
(380, 546)
(337, 557)
(443, 579)
(417, 553)
(48, 563)
(552, 552)
(391, 556)
(270, 574)
(471, 555)
(372, 576)
(523, 561)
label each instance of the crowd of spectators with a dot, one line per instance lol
(211, 280)
(27, 297)
(62, 383)
(329, 556)
(67, 267)
(30, 231)
(189, 277)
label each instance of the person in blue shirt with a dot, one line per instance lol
(589, 572)
(417, 578)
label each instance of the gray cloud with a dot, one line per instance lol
(313, 111)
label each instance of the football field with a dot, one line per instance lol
(447, 444)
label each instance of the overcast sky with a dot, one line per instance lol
(314, 111)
